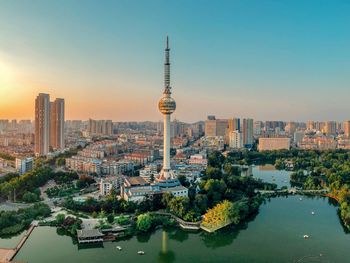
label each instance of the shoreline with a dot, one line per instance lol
(8, 254)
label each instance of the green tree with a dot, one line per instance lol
(201, 202)
(60, 219)
(94, 214)
(29, 197)
(144, 222)
(110, 218)
(179, 206)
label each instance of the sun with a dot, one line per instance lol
(7, 78)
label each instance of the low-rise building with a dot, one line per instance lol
(273, 143)
(107, 184)
(136, 189)
(139, 158)
(200, 159)
(149, 172)
(100, 167)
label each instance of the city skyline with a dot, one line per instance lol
(266, 61)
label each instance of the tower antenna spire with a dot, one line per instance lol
(167, 87)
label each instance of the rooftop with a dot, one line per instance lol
(135, 181)
(88, 233)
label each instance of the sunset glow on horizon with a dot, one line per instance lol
(239, 58)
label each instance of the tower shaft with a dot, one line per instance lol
(166, 143)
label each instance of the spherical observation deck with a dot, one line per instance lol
(167, 105)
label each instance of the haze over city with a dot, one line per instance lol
(174, 131)
(285, 60)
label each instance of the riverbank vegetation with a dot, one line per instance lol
(65, 224)
(148, 221)
(13, 222)
(312, 170)
(227, 212)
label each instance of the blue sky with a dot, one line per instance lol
(285, 60)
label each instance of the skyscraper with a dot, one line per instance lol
(234, 124)
(330, 128)
(347, 128)
(57, 124)
(258, 127)
(247, 130)
(216, 127)
(100, 127)
(42, 124)
(291, 127)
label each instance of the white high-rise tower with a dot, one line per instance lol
(167, 106)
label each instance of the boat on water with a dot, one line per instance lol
(312, 213)
(118, 247)
(141, 252)
(300, 199)
(306, 236)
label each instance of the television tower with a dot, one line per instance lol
(166, 106)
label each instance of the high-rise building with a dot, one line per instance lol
(13, 124)
(57, 124)
(271, 127)
(216, 127)
(248, 131)
(210, 126)
(236, 139)
(42, 124)
(4, 125)
(234, 124)
(310, 125)
(346, 128)
(291, 127)
(258, 126)
(330, 128)
(316, 125)
(100, 127)
(177, 128)
(298, 137)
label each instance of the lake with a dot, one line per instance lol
(269, 174)
(275, 235)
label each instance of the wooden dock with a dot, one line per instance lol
(8, 254)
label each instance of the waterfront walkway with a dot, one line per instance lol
(8, 254)
(293, 191)
(183, 224)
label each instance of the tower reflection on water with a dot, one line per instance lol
(165, 255)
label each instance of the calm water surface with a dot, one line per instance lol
(10, 242)
(269, 174)
(274, 236)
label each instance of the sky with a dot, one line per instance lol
(264, 59)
